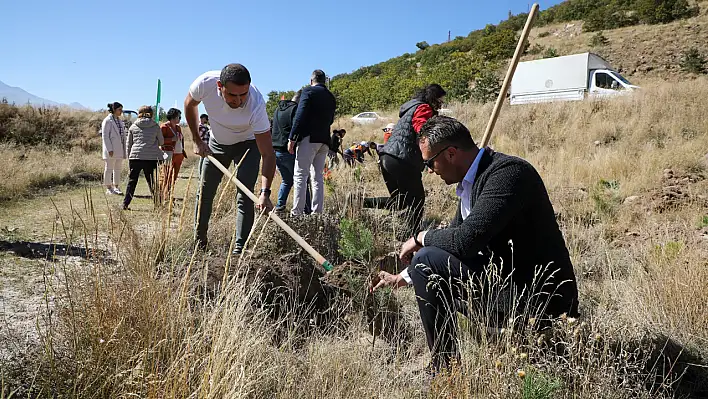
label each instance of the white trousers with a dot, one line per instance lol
(310, 161)
(111, 172)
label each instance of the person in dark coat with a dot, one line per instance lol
(335, 148)
(400, 160)
(311, 134)
(504, 224)
(282, 125)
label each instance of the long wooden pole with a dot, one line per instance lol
(301, 241)
(509, 75)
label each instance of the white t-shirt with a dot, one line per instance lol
(229, 125)
(178, 147)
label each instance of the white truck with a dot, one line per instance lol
(568, 78)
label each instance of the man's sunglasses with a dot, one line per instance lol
(429, 162)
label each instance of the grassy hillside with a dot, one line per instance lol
(642, 52)
(47, 147)
(468, 67)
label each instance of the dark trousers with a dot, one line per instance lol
(441, 281)
(136, 166)
(285, 162)
(405, 186)
(211, 176)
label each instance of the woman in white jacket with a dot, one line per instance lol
(113, 133)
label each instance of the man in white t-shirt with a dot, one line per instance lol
(239, 129)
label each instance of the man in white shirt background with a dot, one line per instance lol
(239, 127)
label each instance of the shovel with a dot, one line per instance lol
(301, 241)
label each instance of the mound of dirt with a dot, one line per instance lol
(290, 285)
(290, 280)
(677, 190)
(287, 277)
(382, 310)
(320, 231)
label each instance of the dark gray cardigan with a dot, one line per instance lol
(512, 218)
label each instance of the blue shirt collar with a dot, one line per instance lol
(471, 173)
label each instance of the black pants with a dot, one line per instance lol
(405, 186)
(136, 166)
(440, 281)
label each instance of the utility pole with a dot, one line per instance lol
(448, 36)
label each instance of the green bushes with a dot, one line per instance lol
(550, 53)
(693, 62)
(356, 241)
(487, 87)
(497, 46)
(273, 98)
(598, 40)
(455, 64)
(611, 14)
(664, 11)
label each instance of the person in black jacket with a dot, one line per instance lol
(285, 161)
(335, 147)
(400, 160)
(505, 218)
(310, 131)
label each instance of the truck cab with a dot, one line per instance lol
(607, 82)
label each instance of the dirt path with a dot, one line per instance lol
(43, 236)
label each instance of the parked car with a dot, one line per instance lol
(366, 117)
(569, 78)
(129, 117)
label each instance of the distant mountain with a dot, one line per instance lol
(20, 97)
(78, 106)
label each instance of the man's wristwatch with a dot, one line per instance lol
(265, 191)
(415, 239)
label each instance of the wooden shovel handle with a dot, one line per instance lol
(509, 75)
(301, 241)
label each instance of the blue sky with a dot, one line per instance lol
(95, 52)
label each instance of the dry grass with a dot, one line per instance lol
(143, 327)
(46, 147)
(27, 170)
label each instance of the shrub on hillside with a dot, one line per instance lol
(664, 11)
(498, 45)
(610, 17)
(550, 53)
(611, 14)
(598, 40)
(486, 88)
(693, 61)
(422, 45)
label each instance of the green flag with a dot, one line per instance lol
(157, 103)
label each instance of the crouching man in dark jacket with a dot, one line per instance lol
(504, 218)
